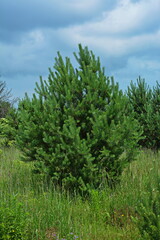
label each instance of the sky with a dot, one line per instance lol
(125, 34)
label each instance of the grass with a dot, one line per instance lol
(52, 214)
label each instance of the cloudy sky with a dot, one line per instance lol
(124, 33)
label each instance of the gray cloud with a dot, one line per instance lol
(124, 33)
(25, 15)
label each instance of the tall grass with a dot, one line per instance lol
(54, 214)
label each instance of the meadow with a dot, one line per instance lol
(38, 210)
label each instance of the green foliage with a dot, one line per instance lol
(7, 133)
(76, 127)
(8, 128)
(154, 118)
(12, 221)
(139, 95)
(145, 102)
(148, 220)
(5, 100)
(4, 108)
(8, 123)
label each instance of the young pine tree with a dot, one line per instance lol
(153, 119)
(145, 102)
(76, 126)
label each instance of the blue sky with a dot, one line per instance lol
(124, 33)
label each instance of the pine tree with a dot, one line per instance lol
(76, 126)
(153, 119)
(145, 102)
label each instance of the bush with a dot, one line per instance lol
(76, 127)
(12, 222)
(8, 128)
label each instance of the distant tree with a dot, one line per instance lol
(145, 102)
(6, 100)
(8, 127)
(153, 118)
(5, 94)
(140, 95)
(8, 119)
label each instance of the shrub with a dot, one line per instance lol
(7, 132)
(8, 127)
(12, 221)
(76, 127)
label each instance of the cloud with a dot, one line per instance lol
(118, 46)
(124, 33)
(127, 18)
(147, 68)
(32, 53)
(114, 34)
(26, 15)
(21, 57)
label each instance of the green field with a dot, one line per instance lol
(38, 210)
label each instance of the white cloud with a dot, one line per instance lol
(118, 32)
(127, 17)
(111, 45)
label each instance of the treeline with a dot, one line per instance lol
(79, 128)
